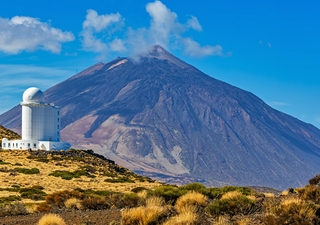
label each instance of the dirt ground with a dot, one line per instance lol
(92, 217)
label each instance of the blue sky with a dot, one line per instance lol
(270, 48)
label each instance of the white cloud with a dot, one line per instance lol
(164, 30)
(269, 45)
(279, 104)
(194, 49)
(98, 23)
(29, 34)
(194, 24)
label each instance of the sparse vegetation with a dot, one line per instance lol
(69, 175)
(27, 171)
(119, 180)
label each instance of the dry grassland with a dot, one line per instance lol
(53, 184)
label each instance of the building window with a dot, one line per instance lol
(4, 145)
(17, 145)
(58, 139)
(9, 145)
(58, 120)
(58, 133)
(58, 113)
(34, 145)
(58, 126)
(28, 145)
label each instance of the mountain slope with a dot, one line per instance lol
(164, 118)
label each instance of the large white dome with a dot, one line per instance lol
(33, 95)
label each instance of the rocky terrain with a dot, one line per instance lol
(163, 118)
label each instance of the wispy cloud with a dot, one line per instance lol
(164, 30)
(22, 33)
(269, 45)
(14, 78)
(279, 103)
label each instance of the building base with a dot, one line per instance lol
(34, 145)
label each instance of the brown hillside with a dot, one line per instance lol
(9, 134)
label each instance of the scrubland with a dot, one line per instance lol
(50, 189)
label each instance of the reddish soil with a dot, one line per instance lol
(92, 217)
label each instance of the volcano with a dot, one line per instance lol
(161, 117)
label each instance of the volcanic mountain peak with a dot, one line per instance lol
(160, 115)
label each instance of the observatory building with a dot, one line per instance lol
(40, 124)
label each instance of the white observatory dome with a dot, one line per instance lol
(33, 95)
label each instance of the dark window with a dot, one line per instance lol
(16, 144)
(58, 113)
(35, 145)
(58, 126)
(28, 144)
(58, 133)
(58, 139)
(4, 145)
(8, 144)
(58, 120)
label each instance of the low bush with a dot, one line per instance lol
(11, 198)
(109, 174)
(169, 193)
(27, 171)
(44, 160)
(231, 206)
(92, 192)
(192, 198)
(214, 192)
(292, 211)
(51, 219)
(3, 163)
(66, 175)
(58, 198)
(15, 186)
(131, 199)
(196, 187)
(34, 194)
(311, 193)
(138, 189)
(96, 203)
(119, 180)
(17, 164)
(14, 209)
(315, 180)
(43, 207)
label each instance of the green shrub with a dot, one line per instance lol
(58, 198)
(3, 163)
(131, 199)
(15, 186)
(11, 198)
(138, 189)
(27, 171)
(92, 192)
(30, 192)
(119, 180)
(69, 175)
(44, 160)
(109, 175)
(17, 164)
(96, 203)
(230, 206)
(79, 159)
(196, 187)
(169, 193)
(55, 158)
(214, 192)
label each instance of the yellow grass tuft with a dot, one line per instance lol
(222, 221)
(142, 194)
(72, 202)
(301, 207)
(232, 195)
(142, 215)
(251, 197)
(51, 219)
(269, 195)
(191, 198)
(284, 192)
(186, 217)
(155, 201)
(245, 221)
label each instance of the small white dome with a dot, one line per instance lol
(33, 95)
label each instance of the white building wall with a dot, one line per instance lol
(33, 118)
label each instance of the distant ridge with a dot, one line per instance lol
(158, 115)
